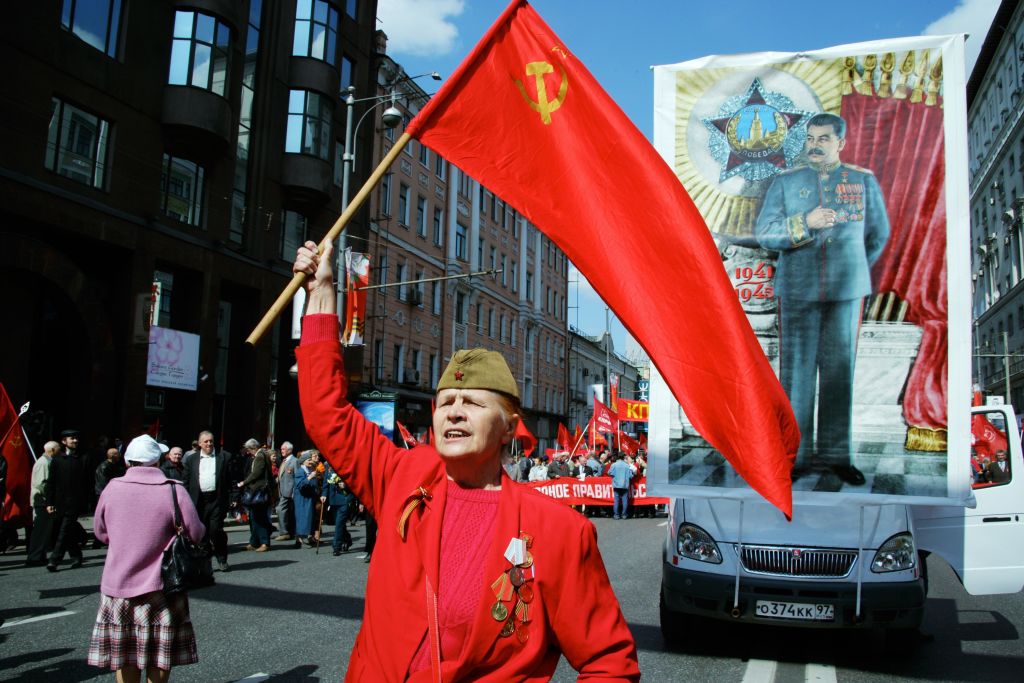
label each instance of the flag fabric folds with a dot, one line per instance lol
(555, 146)
(628, 444)
(563, 437)
(15, 450)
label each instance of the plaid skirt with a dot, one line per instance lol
(147, 631)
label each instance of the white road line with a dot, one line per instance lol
(255, 678)
(43, 617)
(819, 673)
(760, 671)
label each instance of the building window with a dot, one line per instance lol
(433, 370)
(479, 318)
(529, 286)
(490, 323)
(309, 124)
(515, 277)
(76, 145)
(396, 363)
(419, 290)
(480, 253)
(378, 360)
(94, 21)
(399, 278)
(460, 241)
(389, 134)
(385, 195)
(381, 276)
(435, 298)
(162, 310)
(181, 184)
(504, 322)
(439, 166)
(438, 226)
(403, 204)
(348, 70)
(200, 52)
(465, 184)
(460, 307)
(293, 233)
(504, 272)
(424, 155)
(352, 8)
(421, 216)
(316, 30)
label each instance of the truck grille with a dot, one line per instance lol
(790, 561)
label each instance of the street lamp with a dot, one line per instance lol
(391, 118)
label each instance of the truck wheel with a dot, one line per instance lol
(674, 625)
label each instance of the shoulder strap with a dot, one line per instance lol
(177, 510)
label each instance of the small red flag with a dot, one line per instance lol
(528, 440)
(563, 437)
(17, 503)
(407, 437)
(986, 438)
(552, 135)
(628, 444)
(604, 418)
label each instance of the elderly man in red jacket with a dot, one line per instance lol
(474, 576)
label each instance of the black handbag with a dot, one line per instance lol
(257, 497)
(186, 565)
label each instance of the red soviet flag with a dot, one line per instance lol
(407, 437)
(16, 502)
(563, 437)
(524, 117)
(529, 441)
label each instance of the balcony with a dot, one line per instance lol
(197, 122)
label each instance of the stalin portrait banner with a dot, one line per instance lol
(833, 182)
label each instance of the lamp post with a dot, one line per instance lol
(391, 117)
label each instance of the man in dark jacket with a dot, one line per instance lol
(173, 467)
(209, 486)
(64, 495)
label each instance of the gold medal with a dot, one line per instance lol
(508, 629)
(516, 576)
(527, 561)
(499, 611)
(526, 593)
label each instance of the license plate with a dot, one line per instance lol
(771, 609)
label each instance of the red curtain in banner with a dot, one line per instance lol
(902, 143)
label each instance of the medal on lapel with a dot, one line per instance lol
(515, 582)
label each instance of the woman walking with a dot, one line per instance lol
(139, 629)
(256, 487)
(307, 493)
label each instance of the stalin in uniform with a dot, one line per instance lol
(827, 221)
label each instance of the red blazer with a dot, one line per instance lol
(574, 611)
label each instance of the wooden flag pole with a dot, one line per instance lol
(339, 225)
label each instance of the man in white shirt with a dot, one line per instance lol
(207, 481)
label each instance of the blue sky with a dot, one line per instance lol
(620, 41)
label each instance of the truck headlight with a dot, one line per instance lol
(696, 544)
(896, 554)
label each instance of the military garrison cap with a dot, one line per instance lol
(479, 369)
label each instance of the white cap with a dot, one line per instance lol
(144, 450)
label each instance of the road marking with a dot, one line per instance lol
(43, 617)
(759, 671)
(819, 673)
(663, 524)
(255, 678)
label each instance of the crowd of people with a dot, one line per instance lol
(246, 487)
(621, 467)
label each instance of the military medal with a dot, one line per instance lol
(525, 593)
(508, 629)
(527, 561)
(522, 634)
(499, 611)
(515, 575)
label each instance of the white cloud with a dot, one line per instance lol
(973, 17)
(420, 27)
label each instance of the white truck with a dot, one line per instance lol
(843, 566)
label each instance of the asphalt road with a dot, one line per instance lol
(292, 615)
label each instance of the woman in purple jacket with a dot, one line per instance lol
(139, 629)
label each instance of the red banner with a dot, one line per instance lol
(633, 411)
(604, 418)
(593, 491)
(357, 276)
(16, 504)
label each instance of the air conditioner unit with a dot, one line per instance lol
(416, 297)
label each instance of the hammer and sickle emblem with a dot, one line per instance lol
(543, 105)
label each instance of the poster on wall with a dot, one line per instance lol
(173, 359)
(826, 180)
(379, 408)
